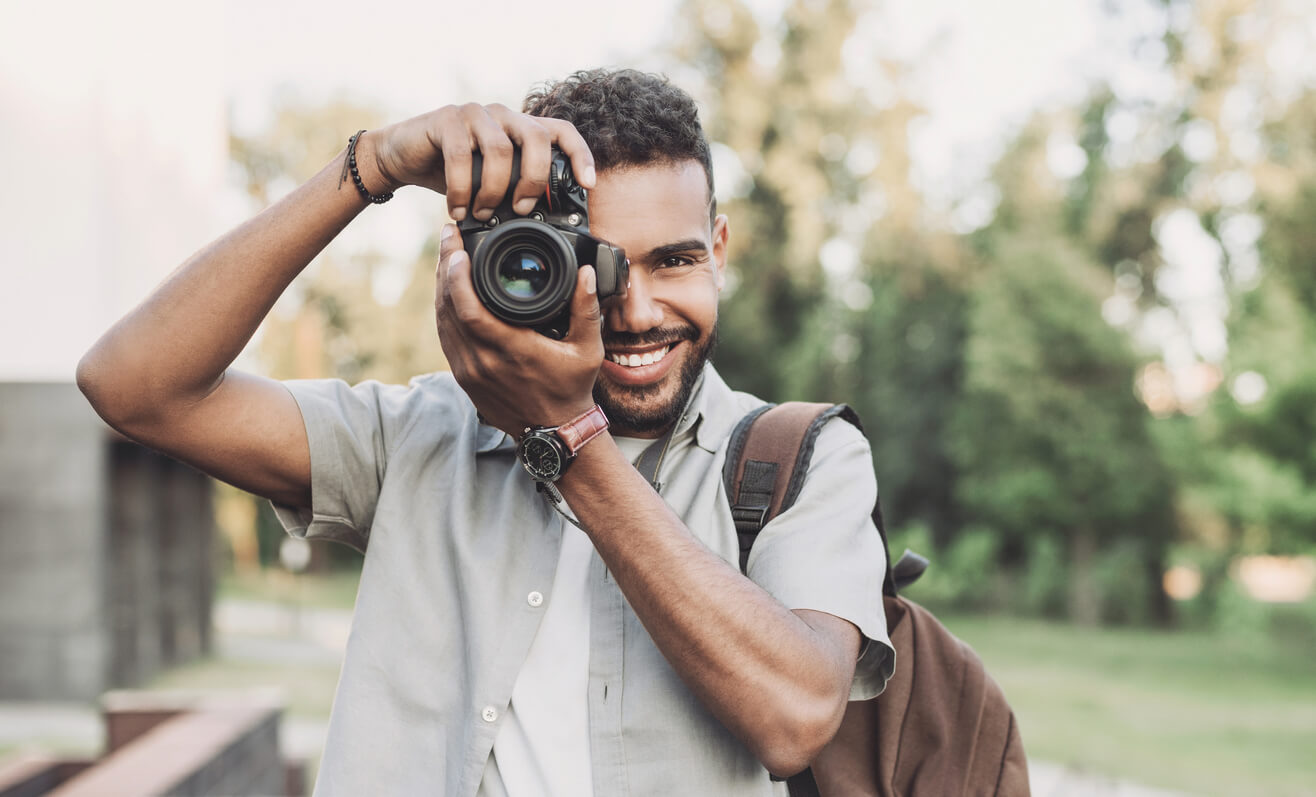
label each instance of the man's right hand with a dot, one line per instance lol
(434, 151)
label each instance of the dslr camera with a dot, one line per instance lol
(524, 267)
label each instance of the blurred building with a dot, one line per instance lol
(115, 149)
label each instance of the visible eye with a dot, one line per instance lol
(676, 261)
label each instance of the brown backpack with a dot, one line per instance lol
(942, 726)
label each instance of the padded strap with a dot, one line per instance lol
(767, 462)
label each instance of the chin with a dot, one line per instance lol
(642, 410)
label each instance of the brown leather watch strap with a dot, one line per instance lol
(575, 433)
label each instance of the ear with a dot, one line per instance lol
(721, 233)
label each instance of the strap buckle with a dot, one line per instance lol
(749, 518)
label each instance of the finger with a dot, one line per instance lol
(586, 319)
(450, 240)
(569, 140)
(496, 152)
(536, 144)
(451, 340)
(457, 148)
(467, 310)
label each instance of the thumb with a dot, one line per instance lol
(585, 315)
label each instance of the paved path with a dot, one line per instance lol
(251, 631)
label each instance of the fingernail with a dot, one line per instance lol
(457, 214)
(447, 232)
(524, 205)
(587, 175)
(458, 259)
(590, 280)
(483, 214)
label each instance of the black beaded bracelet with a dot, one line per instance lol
(350, 165)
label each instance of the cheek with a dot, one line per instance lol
(696, 301)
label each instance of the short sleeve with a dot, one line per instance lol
(825, 554)
(345, 429)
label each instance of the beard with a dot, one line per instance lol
(641, 410)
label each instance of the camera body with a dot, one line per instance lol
(524, 267)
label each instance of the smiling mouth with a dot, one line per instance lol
(634, 360)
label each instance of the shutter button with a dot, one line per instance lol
(489, 714)
(535, 599)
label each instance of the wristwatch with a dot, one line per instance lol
(546, 451)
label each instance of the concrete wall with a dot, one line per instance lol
(105, 551)
(53, 521)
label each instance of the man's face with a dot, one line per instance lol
(657, 338)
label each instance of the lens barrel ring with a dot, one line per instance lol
(508, 248)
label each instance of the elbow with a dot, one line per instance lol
(90, 381)
(789, 746)
(117, 401)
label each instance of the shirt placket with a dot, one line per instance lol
(606, 649)
(493, 693)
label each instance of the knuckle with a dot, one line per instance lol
(500, 146)
(457, 150)
(534, 183)
(535, 132)
(445, 115)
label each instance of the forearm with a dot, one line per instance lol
(768, 675)
(176, 345)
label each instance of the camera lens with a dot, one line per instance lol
(523, 274)
(524, 271)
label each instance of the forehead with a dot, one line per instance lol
(640, 207)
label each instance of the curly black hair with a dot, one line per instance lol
(628, 118)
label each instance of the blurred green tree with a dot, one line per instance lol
(839, 291)
(1050, 440)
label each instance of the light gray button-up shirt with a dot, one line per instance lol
(460, 558)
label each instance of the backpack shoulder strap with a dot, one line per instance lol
(767, 461)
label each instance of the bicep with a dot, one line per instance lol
(248, 432)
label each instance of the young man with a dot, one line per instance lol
(498, 647)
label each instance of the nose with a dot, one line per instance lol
(637, 310)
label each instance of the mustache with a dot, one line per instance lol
(653, 337)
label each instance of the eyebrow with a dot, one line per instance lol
(676, 248)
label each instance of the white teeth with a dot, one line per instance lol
(636, 360)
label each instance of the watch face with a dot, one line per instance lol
(541, 458)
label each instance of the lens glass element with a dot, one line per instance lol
(522, 274)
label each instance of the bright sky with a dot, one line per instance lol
(981, 66)
(121, 103)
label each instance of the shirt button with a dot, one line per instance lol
(489, 714)
(535, 599)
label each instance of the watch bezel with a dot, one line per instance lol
(548, 438)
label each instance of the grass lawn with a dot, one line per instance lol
(306, 688)
(1195, 711)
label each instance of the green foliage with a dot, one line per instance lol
(1045, 578)
(1048, 435)
(962, 576)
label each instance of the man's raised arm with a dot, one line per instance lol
(160, 375)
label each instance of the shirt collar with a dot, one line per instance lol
(714, 408)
